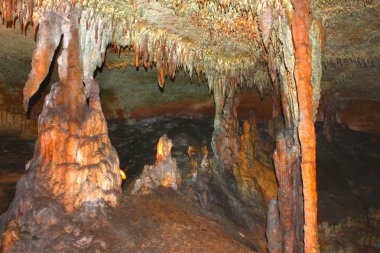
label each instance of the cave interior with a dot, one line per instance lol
(190, 126)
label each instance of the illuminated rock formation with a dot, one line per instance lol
(205, 163)
(273, 46)
(74, 167)
(297, 76)
(256, 181)
(304, 71)
(163, 173)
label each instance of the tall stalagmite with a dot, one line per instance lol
(75, 169)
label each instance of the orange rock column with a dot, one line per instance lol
(303, 72)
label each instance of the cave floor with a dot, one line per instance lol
(348, 179)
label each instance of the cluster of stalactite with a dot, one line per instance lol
(146, 27)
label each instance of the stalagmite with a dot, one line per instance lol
(287, 164)
(163, 173)
(193, 157)
(274, 235)
(74, 168)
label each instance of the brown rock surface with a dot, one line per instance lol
(287, 163)
(13, 120)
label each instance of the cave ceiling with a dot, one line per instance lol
(211, 37)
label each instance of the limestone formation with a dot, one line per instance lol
(74, 168)
(274, 235)
(205, 163)
(163, 173)
(287, 163)
(204, 177)
(273, 46)
(225, 137)
(301, 25)
(256, 181)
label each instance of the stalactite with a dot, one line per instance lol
(8, 13)
(49, 36)
(145, 50)
(303, 75)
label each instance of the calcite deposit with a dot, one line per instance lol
(273, 47)
(256, 181)
(163, 173)
(74, 167)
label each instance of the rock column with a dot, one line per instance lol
(74, 169)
